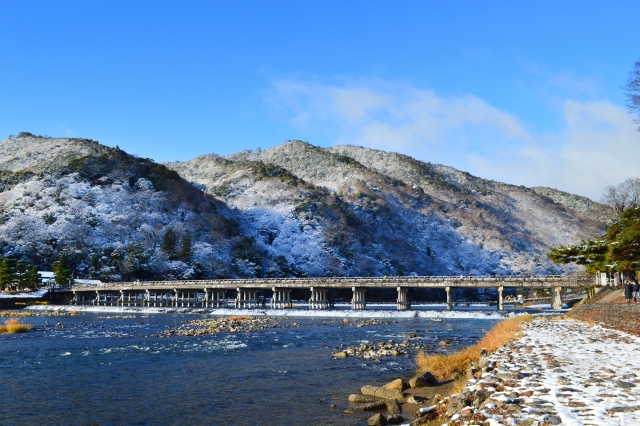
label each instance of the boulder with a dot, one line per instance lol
(417, 382)
(423, 380)
(398, 384)
(341, 354)
(371, 406)
(388, 393)
(393, 406)
(395, 419)
(360, 398)
(416, 400)
(368, 390)
(377, 420)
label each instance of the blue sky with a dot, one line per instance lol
(523, 92)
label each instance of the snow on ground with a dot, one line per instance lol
(32, 294)
(330, 313)
(564, 372)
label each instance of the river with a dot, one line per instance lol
(111, 369)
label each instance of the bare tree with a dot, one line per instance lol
(632, 89)
(624, 196)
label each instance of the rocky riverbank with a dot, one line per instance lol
(560, 372)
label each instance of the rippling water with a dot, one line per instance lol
(105, 371)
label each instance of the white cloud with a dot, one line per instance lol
(597, 144)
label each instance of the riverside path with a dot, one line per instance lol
(213, 293)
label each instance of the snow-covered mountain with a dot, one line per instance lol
(357, 211)
(292, 210)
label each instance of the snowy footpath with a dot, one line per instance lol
(560, 372)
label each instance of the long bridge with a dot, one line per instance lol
(213, 293)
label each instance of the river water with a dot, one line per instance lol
(104, 370)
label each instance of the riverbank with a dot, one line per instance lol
(560, 372)
(610, 309)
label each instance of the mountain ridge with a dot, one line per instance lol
(292, 210)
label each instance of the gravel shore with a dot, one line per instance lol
(560, 372)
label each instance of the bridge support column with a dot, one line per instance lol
(358, 301)
(319, 298)
(500, 300)
(556, 299)
(217, 298)
(449, 299)
(281, 298)
(403, 299)
(247, 298)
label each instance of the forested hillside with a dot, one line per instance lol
(292, 210)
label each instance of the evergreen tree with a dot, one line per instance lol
(32, 278)
(21, 272)
(8, 273)
(62, 270)
(169, 243)
(185, 249)
(618, 251)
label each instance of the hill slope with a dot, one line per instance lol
(397, 215)
(292, 210)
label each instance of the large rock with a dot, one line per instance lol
(369, 390)
(388, 393)
(423, 380)
(377, 420)
(360, 398)
(392, 406)
(395, 419)
(398, 384)
(371, 406)
(416, 400)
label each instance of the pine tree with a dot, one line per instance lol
(618, 251)
(21, 272)
(169, 243)
(32, 278)
(8, 273)
(62, 270)
(185, 249)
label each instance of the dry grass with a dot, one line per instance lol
(16, 314)
(13, 326)
(238, 318)
(444, 367)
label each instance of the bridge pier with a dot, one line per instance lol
(215, 298)
(556, 299)
(247, 298)
(281, 298)
(358, 301)
(403, 299)
(449, 299)
(318, 298)
(500, 299)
